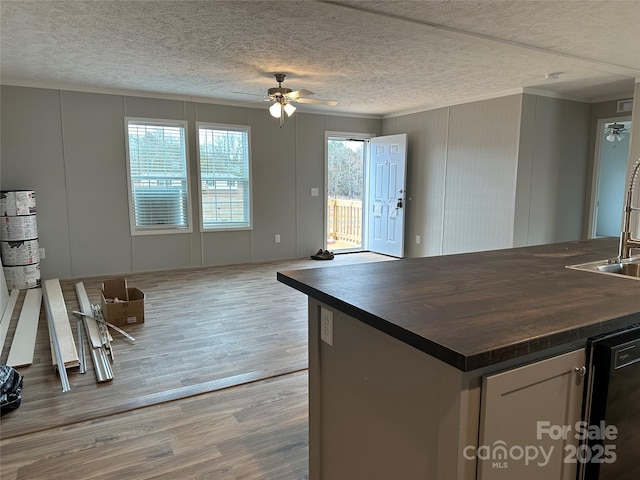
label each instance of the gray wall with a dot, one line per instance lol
(426, 172)
(552, 171)
(496, 173)
(70, 148)
(481, 172)
(461, 174)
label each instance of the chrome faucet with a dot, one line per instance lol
(627, 242)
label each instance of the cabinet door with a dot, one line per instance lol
(528, 420)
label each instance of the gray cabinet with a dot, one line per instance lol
(528, 420)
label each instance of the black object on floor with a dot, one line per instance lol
(10, 389)
(323, 255)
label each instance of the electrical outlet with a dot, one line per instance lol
(41, 253)
(326, 325)
(277, 238)
(418, 239)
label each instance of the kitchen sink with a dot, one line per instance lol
(629, 268)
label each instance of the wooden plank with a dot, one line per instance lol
(4, 292)
(6, 317)
(24, 338)
(55, 346)
(60, 322)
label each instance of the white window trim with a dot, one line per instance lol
(224, 126)
(135, 230)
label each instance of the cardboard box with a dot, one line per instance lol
(122, 305)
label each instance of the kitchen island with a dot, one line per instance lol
(400, 387)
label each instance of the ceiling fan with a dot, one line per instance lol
(283, 99)
(615, 132)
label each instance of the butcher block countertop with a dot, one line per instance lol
(478, 309)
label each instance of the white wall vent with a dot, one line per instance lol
(625, 105)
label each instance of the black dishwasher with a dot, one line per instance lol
(611, 432)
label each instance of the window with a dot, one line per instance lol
(225, 176)
(158, 176)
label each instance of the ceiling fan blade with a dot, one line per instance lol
(249, 94)
(317, 101)
(264, 98)
(299, 93)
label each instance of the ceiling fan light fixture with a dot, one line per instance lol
(289, 109)
(276, 110)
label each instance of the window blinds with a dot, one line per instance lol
(158, 174)
(224, 176)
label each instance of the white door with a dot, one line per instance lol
(386, 194)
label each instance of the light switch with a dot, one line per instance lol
(315, 192)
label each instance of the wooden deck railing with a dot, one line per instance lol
(345, 221)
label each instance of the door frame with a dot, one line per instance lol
(365, 188)
(595, 172)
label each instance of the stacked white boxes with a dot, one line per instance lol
(19, 239)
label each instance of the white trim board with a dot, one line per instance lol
(6, 317)
(4, 292)
(60, 317)
(24, 338)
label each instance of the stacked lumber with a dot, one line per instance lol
(64, 353)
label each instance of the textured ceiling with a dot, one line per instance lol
(373, 57)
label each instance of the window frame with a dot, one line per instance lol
(158, 230)
(227, 127)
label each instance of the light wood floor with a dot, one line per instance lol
(215, 386)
